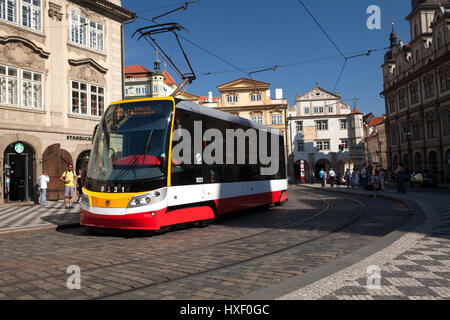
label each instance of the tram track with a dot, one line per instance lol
(253, 258)
(314, 215)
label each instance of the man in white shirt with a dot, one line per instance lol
(43, 181)
(332, 176)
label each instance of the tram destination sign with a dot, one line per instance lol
(79, 138)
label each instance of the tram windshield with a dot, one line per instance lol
(131, 143)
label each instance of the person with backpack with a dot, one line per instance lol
(69, 178)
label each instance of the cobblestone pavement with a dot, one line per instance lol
(238, 254)
(420, 271)
(29, 216)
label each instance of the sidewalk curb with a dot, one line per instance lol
(40, 228)
(292, 285)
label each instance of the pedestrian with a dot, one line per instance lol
(69, 178)
(332, 176)
(400, 178)
(347, 178)
(322, 176)
(363, 177)
(7, 187)
(44, 179)
(381, 176)
(80, 184)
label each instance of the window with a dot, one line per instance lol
(319, 145)
(258, 119)
(80, 29)
(330, 109)
(31, 14)
(232, 99)
(444, 77)
(300, 146)
(414, 93)
(431, 125)
(343, 124)
(322, 125)
(323, 145)
(318, 110)
(96, 35)
(299, 126)
(392, 104)
(428, 84)
(277, 119)
(256, 97)
(8, 10)
(84, 95)
(31, 89)
(306, 110)
(326, 145)
(402, 103)
(8, 85)
(345, 144)
(97, 100)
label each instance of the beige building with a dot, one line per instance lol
(251, 99)
(61, 63)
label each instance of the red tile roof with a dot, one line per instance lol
(168, 78)
(205, 99)
(137, 71)
(356, 111)
(375, 121)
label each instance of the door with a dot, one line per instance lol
(55, 162)
(19, 178)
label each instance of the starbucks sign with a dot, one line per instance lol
(19, 147)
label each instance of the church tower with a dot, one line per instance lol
(157, 79)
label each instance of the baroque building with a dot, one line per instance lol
(61, 63)
(417, 91)
(325, 133)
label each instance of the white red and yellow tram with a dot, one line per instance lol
(133, 182)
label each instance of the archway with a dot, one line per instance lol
(322, 164)
(297, 171)
(20, 168)
(343, 165)
(55, 161)
(432, 162)
(418, 162)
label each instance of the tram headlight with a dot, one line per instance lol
(144, 199)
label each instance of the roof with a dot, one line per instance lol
(205, 99)
(120, 11)
(376, 121)
(356, 111)
(137, 71)
(168, 78)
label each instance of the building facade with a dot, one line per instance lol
(325, 134)
(375, 143)
(251, 99)
(61, 63)
(417, 91)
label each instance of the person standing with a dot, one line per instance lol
(44, 179)
(400, 178)
(322, 176)
(363, 177)
(332, 176)
(69, 178)
(381, 176)
(80, 184)
(348, 178)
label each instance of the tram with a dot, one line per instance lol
(136, 181)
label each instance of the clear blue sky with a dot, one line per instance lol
(252, 34)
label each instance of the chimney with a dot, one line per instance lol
(210, 97)
(278, 94)
(268, 93)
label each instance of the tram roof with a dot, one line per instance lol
(214, 113)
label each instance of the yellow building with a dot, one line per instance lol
(251, 99)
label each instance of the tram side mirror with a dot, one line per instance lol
(95, 131)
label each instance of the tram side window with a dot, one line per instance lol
(186, 173)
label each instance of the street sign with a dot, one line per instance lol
(302, 171)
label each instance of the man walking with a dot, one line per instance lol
(332, 176)
(69, 178)
(43, 181)
(323, 178)
(400, 178)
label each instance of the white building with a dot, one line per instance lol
(320, 125)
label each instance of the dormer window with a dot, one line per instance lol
(232, 99)
(256, 97)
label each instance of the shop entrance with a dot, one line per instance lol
(19, 168)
